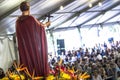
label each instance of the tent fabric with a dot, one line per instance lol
(75, 13)
(7, 54)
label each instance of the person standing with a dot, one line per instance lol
(32, 43)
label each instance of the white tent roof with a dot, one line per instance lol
(76, 13)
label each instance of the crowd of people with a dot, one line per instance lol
(100, 63)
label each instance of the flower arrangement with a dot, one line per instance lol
(16, 75)
(61, 73)
(58, 73)
(68, 75)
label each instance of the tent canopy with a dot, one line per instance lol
(75, 13)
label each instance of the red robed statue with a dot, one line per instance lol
(32, 43)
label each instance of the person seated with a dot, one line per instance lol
(96, 76)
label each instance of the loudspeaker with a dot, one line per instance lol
(60, 46)
(60, 43)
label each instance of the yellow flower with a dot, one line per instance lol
(5, 78)
(66, 76)
(17, 77)
(50, 77)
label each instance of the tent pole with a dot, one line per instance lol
(52, 38)
(15, 48)
(79, 30)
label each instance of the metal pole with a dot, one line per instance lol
(52, 38)
(79, 30)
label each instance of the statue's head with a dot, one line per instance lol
(24, 6)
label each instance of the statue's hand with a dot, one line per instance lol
(47, 24)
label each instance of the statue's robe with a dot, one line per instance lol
(32, 45)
